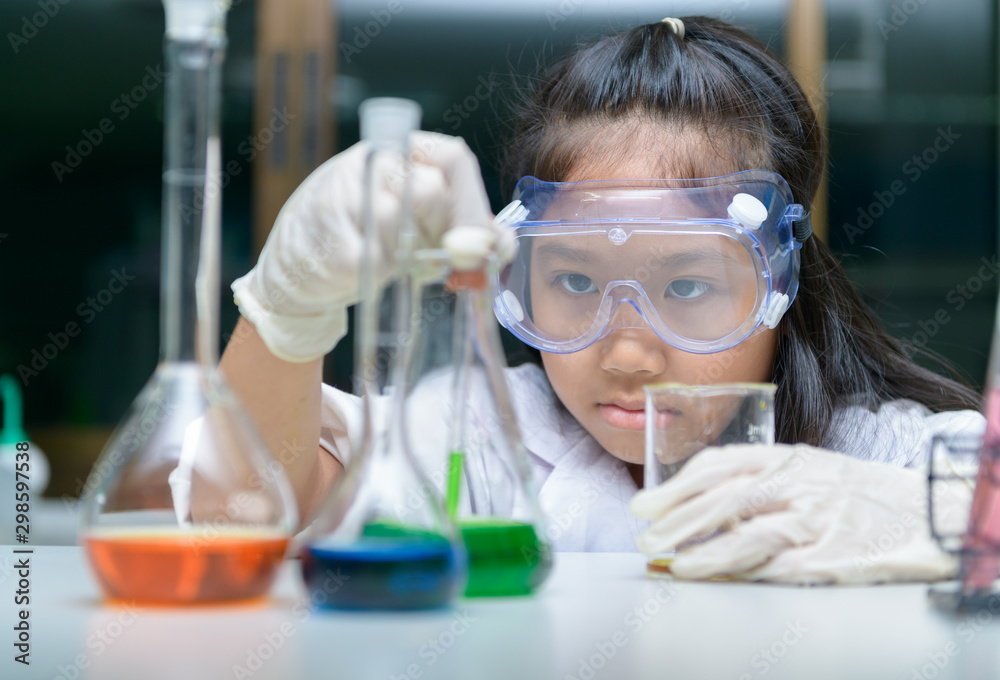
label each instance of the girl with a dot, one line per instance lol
(692, 100)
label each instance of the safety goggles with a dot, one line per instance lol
(704, 263)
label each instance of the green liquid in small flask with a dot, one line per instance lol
(505, 557)
(489, 493)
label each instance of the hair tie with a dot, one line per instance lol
(676, 25)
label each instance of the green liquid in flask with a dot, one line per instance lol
(505, 557)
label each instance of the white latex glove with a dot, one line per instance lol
(798, 514)
(307, 274)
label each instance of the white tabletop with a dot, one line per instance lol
(598, 616)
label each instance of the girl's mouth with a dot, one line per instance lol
(633, 419)
(623, 418)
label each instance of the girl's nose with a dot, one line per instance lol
(634, 351)
(631, 346)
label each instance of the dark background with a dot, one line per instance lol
(891, 95)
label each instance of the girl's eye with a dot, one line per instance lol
(687, 289)
(576, 283)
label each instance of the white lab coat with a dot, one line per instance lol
(583, 490)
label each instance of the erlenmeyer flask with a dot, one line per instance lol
(489, 490)
(388, 551)
(186, 504)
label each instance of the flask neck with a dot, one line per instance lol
(192, 200)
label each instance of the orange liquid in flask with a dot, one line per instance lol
(175, 567)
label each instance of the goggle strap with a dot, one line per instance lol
(802, 228)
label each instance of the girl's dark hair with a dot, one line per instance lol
(634, 91)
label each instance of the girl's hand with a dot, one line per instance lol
(797, 514)
(307, 274)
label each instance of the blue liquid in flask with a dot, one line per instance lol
(388, 567)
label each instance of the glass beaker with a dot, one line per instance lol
(489, 489)
(186, 504)
(955, 466)
(681, 420)
(389, 550)
(953, 463)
